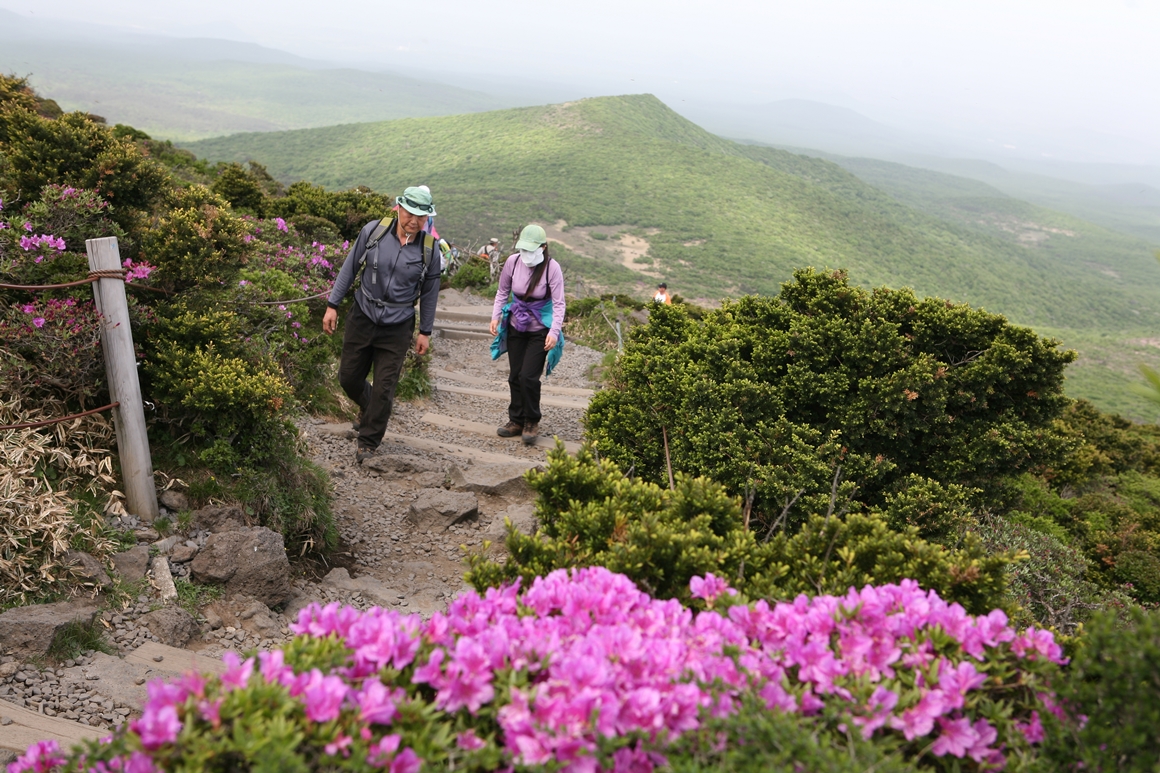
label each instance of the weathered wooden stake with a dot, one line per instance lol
(121, 369)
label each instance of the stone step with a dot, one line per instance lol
(550, 400)
(487, 430)
(464, 378)
(457, 451)
(116, 678)
(463, 334)
(481, 314)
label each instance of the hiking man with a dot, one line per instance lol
(400, 266)
(491, 252)
(662, 294)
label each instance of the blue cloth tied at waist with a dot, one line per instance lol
(528, 315)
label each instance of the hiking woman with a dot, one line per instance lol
(527, 319)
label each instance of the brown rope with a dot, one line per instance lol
(46, 422)
(49, 287)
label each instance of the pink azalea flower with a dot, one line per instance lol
(469, 741)
(281, 224)
(381, 753)
(407, 762)
(38, 321)
(28, 308)
(157, 727)
(323, 696)
(955, 737)
(237, 673)
(709, 588)
(1033, 730)
(41, 757)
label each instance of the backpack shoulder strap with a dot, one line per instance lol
(376, 235)
(535, 280)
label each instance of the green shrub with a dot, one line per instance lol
(1048, 582)
(939, 513)
(475, 273)
(74, 151)
(239, 188)
(1114, 680)
(196, 242)
(415, 381)
(591, 515)
(349, 210)
(773, 395)
(757, 740)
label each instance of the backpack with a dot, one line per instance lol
(380, 231)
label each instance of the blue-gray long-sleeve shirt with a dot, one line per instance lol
(398, 278)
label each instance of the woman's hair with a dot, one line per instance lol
(546, 255)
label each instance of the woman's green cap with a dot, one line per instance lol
(531, 237)
(416, 201)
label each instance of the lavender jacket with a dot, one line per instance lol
(516, 276)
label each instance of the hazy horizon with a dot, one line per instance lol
(1035, 79)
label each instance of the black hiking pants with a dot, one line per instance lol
(526, 357)
(365, 344)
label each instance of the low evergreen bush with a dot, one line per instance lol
(590, 514)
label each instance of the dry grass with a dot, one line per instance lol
(43, 474)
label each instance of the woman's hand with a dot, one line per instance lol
(549, 342)
(494, 326)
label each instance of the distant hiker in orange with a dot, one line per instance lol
(662, 294)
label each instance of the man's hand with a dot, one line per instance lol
(422, 344)
(330, 321)
(549, 342)
(494, 326)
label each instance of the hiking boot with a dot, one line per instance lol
(363, 454)
(511, 429)
(531, 432)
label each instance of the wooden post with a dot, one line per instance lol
(121, 369)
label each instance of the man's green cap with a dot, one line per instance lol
(416, 201)
(531, 237)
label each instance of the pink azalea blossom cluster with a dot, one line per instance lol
(137, 270)
(29, 243)
(600, 660)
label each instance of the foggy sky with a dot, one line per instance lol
(1001, 70)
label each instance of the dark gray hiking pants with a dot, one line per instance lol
(365, 344)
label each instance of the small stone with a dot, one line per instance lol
(5, 721)
(139, 680)
(158, 658)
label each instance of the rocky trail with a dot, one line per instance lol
(440, 486)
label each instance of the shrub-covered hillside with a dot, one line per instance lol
(719, 218)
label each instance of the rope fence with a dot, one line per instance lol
(92, 277)
(46, 422)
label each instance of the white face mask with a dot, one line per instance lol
(532, 258)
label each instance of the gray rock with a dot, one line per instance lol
(213, 620)
(522, 516)
(132, 564)
(257, 618)
(183, 554)
(437, 509)
(31, 630)
(147, 535)
(218, 519)
(172, 625)
(252, 562)
(164, 546)
(87, 569)
(373, 590)
(174, 500)
(163, 578)
(402, 463)
(298, 602)
(498, 479)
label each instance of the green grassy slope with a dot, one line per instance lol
(722, 218)
(179, 98)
